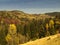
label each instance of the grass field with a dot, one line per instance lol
(50, 40)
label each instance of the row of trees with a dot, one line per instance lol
(38, 28)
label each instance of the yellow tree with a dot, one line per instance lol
(47, 26)
(12, 29)
(51, 27)
(47, 29)
(11, 37)
(51, 23)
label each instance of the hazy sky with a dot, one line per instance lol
(31, 6)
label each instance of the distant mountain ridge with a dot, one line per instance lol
(57, 14)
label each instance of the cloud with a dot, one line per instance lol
(40, 10)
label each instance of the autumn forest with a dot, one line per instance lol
(17, 27)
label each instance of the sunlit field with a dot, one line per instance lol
(50, 40)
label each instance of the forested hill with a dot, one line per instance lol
(53, 14)
(26, 27)
(16, 16)
(19, 16)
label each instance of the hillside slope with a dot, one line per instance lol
(51, 40)
(16, 16)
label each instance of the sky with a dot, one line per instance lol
(31, 6)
